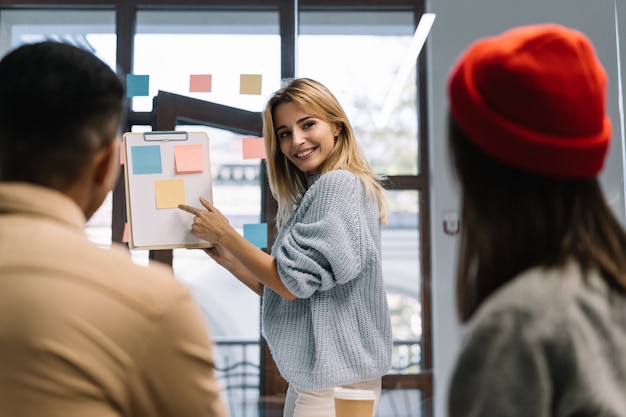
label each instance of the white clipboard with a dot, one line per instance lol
(161, 169)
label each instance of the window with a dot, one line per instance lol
(93, 30)
(170, 46)
(357, 50)
(358, 55)
(362, 56)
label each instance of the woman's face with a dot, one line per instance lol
(304, 139)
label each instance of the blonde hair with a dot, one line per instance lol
(288, 183)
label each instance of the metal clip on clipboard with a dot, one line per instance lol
(165, 136)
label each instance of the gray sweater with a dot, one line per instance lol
(550, 343)
(338, 330)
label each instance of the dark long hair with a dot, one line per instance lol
(513, 220)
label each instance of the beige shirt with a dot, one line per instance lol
(86, 332)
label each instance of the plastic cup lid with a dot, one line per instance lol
(354, 394)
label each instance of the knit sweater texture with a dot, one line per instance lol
(548, 344)
(338, 330)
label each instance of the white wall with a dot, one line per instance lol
(458, 23)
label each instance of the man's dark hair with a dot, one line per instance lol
(59, 104)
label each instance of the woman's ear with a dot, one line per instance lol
(337, 131)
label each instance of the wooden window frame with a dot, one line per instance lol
(169, 109)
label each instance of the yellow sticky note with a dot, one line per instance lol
(253, 148)
(189, 158)
(169, 193)
(250, 84)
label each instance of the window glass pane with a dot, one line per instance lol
(172, 46)
(93, 30)
(231, 309)
(237, 194)
(140, 256)
(401, 269)
(358, 55)
(401, 402)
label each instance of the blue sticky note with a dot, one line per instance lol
(137, 85)
(146, 159)
(256, 234)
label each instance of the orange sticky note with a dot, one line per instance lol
(250, 84)
(125, 235)
(122, 155)
(200, 83)
(169, 193)
(188, 158)
(253, 148)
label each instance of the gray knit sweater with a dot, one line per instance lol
(549, 344)
(338, 330)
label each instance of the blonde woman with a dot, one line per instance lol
(325, 314)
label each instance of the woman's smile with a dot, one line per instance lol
(304, 139)
(306, 153)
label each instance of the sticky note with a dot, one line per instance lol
(122, 155)
(169, 193)
(250, 84)
(253, 148)
(256, 234)
(125, 235)
(137, 85)
(188, 158)
(146, 159)
(200, 83)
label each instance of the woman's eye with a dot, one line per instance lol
(308, 125)
(283, 134)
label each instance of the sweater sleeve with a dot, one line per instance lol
(501, 371)
(330, 241)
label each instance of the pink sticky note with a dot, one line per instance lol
(122, 155)
(189, 158)
(125, 235)
(253, 148)
(200, 83)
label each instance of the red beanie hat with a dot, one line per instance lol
(534, 97)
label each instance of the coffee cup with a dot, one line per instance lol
(354, 402)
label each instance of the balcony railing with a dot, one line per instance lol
(238, 369)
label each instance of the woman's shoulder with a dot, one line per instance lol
(545, 296)
(337, 178)
(534, 289)
(334, 190)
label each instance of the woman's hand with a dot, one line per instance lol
(234, 252)
(223, 258)
(210, 224)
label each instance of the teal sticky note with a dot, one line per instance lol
(137, 85)
(256, 234)
(146, 159)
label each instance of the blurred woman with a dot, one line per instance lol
(542, 269)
